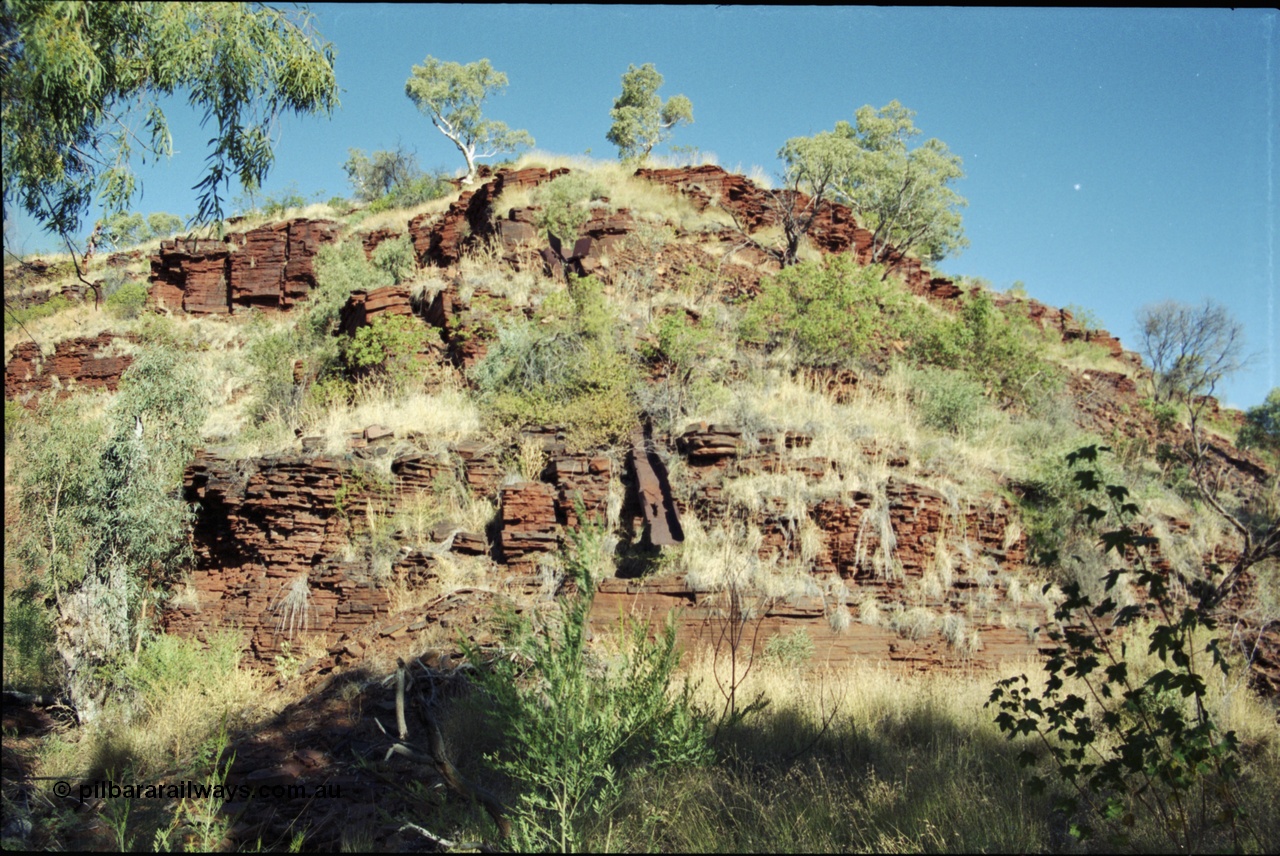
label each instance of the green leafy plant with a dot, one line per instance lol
(566, 366)
(949, 400)
(995, 348)
(642, 120)
(1261, 429)
(565, 204)
(396, 257)
(576, 727)
(128, 300)
(386, 347)
(1131, 749)
(833, 311)
(52, 306)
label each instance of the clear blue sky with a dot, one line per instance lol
(1113, 157)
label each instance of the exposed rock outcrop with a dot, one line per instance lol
(271, 267)
(75, 364)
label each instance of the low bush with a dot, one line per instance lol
(948, 400)
(19, 317)
(834, 312)
(995, 348)
(577, 728)
(566, 203)
(412, 193)
(396, 258)
(385, 347)
(128, 300)
(569, 366)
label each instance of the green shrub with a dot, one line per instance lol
(834, 312)
(693, 354)
(1164, 412)
(948, 400)
(576, 728)
(1261, 429)
(386, 348)
(396, 258)
(569, 365)
(422, 189)
(1135, 750)
(995, 348)
(30, 661)
(566, 204)
(52, 306)
(128, 300)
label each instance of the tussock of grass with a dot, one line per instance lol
(182, 693)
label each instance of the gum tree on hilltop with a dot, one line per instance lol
(640, 118)
(902, 195)
(452, 95)
(82, 83)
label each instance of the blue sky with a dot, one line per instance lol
(1113, 158)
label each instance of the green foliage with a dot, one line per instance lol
(567, 366)
(1129, 746)
(1261, 429)
(375, 176)
(80, 78)
(576, 728)
(452, 95)
(111, 527)
(1086, 318)
(794, 649)
(128, 229)
(565, 204)
(52, 306)
(162, 224)
(12, 417)
(128, 300)
(833, 311)
(694, 355)
(389, 180)
(641, 120)
(900, 194)
(387, 348)
(277, 205)
(422, 189)
(995, 348)
(272, 351)
(397, 258)
(949, 401)
(270, 355)
(1164, 412)
(30, 661)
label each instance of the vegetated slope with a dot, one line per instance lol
(843, 491)
(412, 409)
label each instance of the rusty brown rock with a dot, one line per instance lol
(529, 526)
(75, 364)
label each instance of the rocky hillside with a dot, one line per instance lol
(793, 495)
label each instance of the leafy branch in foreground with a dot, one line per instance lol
(1133, 751)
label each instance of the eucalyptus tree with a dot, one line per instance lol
(82, 88)
(902, 195)
(641, 120)
(452, 95)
